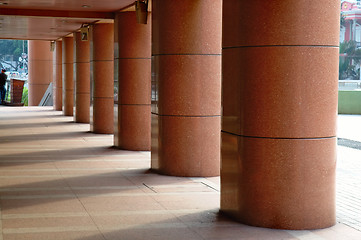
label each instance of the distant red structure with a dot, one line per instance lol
(351, 29)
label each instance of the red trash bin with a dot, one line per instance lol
(16, 92)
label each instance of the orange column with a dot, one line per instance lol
(133, 61)
(40, 70)
(68, 81)
(186, 53)
(82, 79)
(280, 71)
(58, 77)
(102, 61)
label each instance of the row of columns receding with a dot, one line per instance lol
(276, 128)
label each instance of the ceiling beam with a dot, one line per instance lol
(56, 14)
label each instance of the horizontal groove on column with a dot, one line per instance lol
(132, 104)
(133, 58)
(187, 54)
(103, 97)
(40, 84)
(282, 138)
(82, 92)
(40, 60)
(82, 62)
(190, 116)
(256, 46)
(102, 60)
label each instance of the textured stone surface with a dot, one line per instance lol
(138, 36)
(279, 183)
(81, 49)
(186, 77)
(133, 56)
(68, 106)
(103, 79)
(189, 146)
(190, 27)
(58, 77)
(68, 76)
(155, 142)
(103, 35)
(82, 79)
(282, 22)
(40, 70)
(284, 92)
(279, 81)
(189, 85)
(102, 65)
(134, 81)
(134, 129)
(103, 115)
(82, 108)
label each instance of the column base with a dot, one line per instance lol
(134, 127)
(279, 183)
(187, 146)
(103, 115)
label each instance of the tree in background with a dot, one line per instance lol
(350, 59)
(14, 49)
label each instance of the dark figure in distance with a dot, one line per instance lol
(3, 78)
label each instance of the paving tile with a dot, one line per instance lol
(138, 218)
(24, 193)
(240, 232)
(338, 232)
(98, 181)
(206, 200)
(60, 182)
(149, 233)
(47, 222)
(32, 181)
(66, 235)
(118, 203)
(49, 204)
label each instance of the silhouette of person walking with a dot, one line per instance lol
(3, 78)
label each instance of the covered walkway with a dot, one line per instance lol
(59, 181)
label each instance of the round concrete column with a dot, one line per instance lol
(40, 70)
(186, 53)
(68, 78)
(134, 77)
(280, 71)
(102, 61)
(82, 79)
(58, 77)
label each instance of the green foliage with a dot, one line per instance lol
(25, 96)
(13, 47)
(351, 57)
(7, 95)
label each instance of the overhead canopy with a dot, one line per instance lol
(53, 19)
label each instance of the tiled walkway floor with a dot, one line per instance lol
(349, 171)
(58, 181)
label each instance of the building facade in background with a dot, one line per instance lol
(351, 27)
